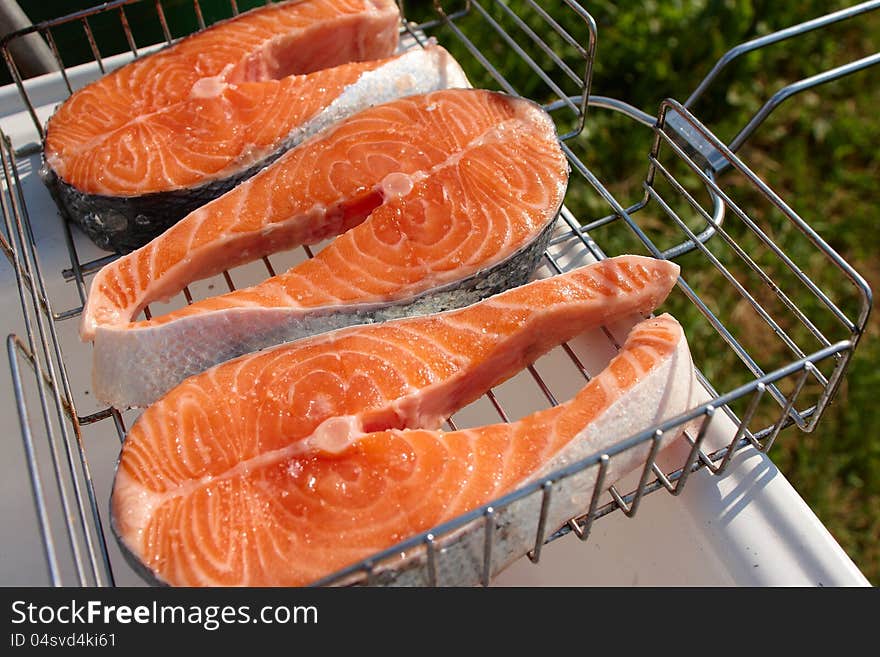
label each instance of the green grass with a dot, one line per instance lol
(819, 151)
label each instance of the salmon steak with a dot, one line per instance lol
(283, 466)
(436, 200)
(132, 153)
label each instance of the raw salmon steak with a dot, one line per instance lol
(280, 467)
(441, 199)
(132, 153)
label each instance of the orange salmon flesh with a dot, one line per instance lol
(422, 192)
(281, 467)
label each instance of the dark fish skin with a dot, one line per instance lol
(125, 223)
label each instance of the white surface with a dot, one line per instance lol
(748, 527)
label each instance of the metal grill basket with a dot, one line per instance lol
(804, 319)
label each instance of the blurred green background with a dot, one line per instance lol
(819, 151)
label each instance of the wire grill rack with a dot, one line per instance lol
(689, 211)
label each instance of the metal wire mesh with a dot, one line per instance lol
(704, 226)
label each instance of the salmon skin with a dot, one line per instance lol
(280, 467)
(129, 155)
(439, 200)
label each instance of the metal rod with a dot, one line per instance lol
(199, 17)
(542, 385)
(67, 314)
(448, 18)
(786, 260)
(795, 88)
(501, 412)
(720, 401)
(163, 21)
(71, 444)
(75, 269)
(86, 268)
(583, 531)
(489, 527)
(704, 236)
(26, 150)
(10, 252)
(540, 534)
(29, 356)
(742, 429)
(415, 32)
(606, 102)
(94, 417)
(583, 53)
(714, 394)
(50, 39)
(633, 506)
(792, 398)
(369, 568)
(93, 44)
(662, 478)
(67, 401)
(829, 390)
(591, 178)
(589, 59)
(119, 423)
(8, 209)
(695, 450)
(19, 83)
(33, 467)
(577, 361)
(431, 558)
(127, 29)
(775, 37)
